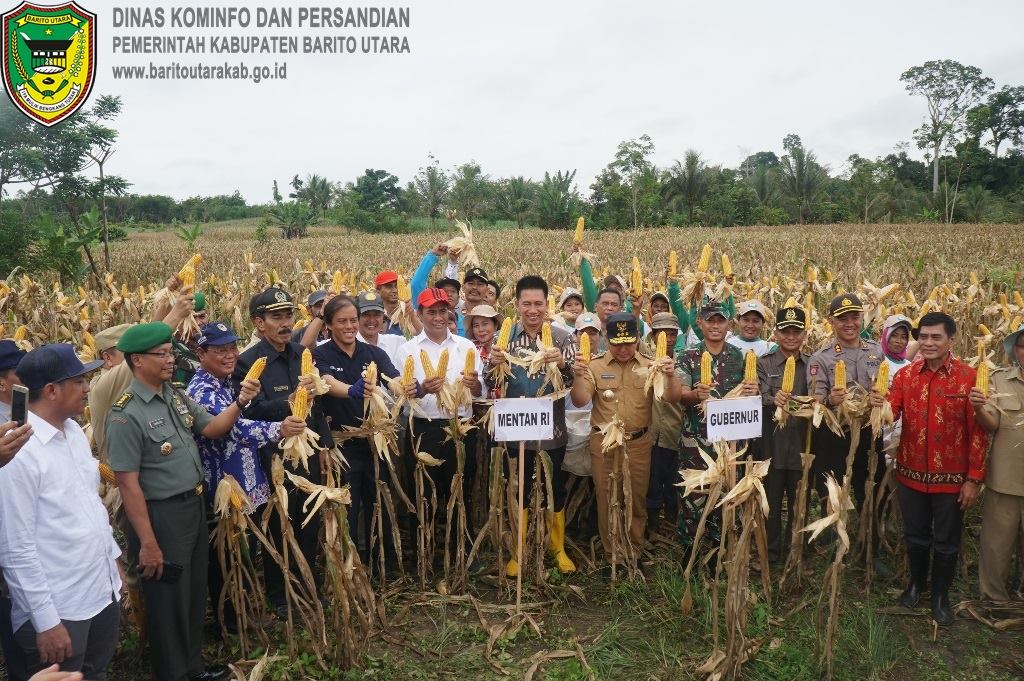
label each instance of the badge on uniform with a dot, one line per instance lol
(180, 407)
(607, 376)
(814, 370)
(156, 423)
(166, 448)
(280, 388)
(608, 394)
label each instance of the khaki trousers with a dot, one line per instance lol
(1001, 518)
(603, 465)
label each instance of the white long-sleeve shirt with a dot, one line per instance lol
(57, 549)
(457, 347)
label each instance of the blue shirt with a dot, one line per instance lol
(238, 453)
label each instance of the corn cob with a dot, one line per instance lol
(370, 374)
(790, 302)
(107, 474)
(404, 290)
(577, 237)
(20, 333)
(839, 377)
(300, 405)
(705, 259)
(661, 349)
(705, 368)
(812, 274)
(726, 266)
(1018, 299)
(442, 364)
(256, 370)
(337, 282)
(470, 365)
(307, 363)
(428, 366)
(981, 379)
(585, 348)
(789, 375)
(89, 341)
(188, 278)
(636, 279)
(750, 367)
(505, 335)
(237, 499)
(545, 335)
(882, 379)
(192, 264)
(984, 330)
(551, 305)
(1002, 298)
(974, 277)
(407, 372)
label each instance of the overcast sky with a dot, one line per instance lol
(531, 86)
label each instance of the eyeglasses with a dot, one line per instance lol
(163, 354)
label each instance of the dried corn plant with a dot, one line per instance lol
(624, 555)
(462, 246)
(494, 527)
(456, 529)
(426, 512)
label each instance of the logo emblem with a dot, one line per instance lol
(790, 314)
(221, 327)
(370, 296)
(280, 296)
(49, 58)
(846, 301)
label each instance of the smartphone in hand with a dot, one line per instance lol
(19, 404)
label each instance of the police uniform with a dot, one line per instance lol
(151, 433)
(278, 382)
(617, 389)
(862, 364)
(783, 446)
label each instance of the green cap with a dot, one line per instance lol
(200, 301)
(143, 337)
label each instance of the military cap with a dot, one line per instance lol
(216, 333)
(369, 301)
(791, 318)
(710, 308)
(52, 364)
(199, 299)
(107, 338)
(10, 355)
(843, 303)
(448, 281)
(143, 337)
(315, 297)
(476, 273)
(271, 300)
(664, 320)
(622, 328)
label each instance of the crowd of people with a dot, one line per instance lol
(173, 414)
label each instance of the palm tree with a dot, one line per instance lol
(802, 180)
(686, 183)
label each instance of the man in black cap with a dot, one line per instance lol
(474, 288)
(314, 307)
(862, 358)
(783, 445)
(274, 318)
(12, 436)
(56, 545)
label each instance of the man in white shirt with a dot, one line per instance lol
(57, 549)
(428, 427)
(373, 325)
(750, 318)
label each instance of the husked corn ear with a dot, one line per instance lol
(370, 374)
(750, 367)
(585, 348)
(442, 364)
(705, 368)
(107, 474)
(256, 370)
(545, 335)
(789, 375)
(661, 349)
(408, 370)
(470, 364)
(790, 302)
(705, 259)
(726, 266)
(20, 333)
(505, 335)
(812, 274)
(337, 282)
(428, 366)
(636, 280)
(577, 237)
(404, 290)
(300, 405)
(984, 330)
(673, 263)
(551, 305)
(839, 377)
(237, 500)
(882, 379)
(981, 378)
(1002, 298)
(89, 341)
(974, 277)
(192, 264)
(1018, 299)
(188, 278)
(307, 363)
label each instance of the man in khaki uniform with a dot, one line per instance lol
(614, 381)
(1003, 511)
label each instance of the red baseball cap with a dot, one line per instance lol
(431, 297)
(385, 277)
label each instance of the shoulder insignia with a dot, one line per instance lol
(600, 355)
(646, 354)
(838, 349)
(814, 370)
(123, 400)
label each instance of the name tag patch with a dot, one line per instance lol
(156, 423)
(280, 388)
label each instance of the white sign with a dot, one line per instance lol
(524, 419)
(737, 418)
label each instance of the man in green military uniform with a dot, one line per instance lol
(150, 440)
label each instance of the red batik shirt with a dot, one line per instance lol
(941, 446)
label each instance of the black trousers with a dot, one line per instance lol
(362, 482)
(662, 491)
(781, 484)
(14, 657)
(931, 520)
(431, 437)
(93, 642)
(557, 455)
(308, 537)
(830, 453)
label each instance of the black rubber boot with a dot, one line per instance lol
(918, 558)
(943, 566)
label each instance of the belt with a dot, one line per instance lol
(635, 435)
(196, 491)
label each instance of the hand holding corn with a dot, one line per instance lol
(249, 389)
(292, 426)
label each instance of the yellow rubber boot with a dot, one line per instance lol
(512, 566)
(556, 542)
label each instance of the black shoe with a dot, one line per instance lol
(216, 673)
(943, 567)
(918, 557)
